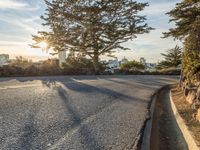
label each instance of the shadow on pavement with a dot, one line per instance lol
(86, 135)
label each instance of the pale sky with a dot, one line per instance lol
(20, 19)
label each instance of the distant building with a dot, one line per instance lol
(148, 66)
(4, 59)
(62, 57)
(112, 65)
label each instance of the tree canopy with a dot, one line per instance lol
(92, 27)
(184, 15)
(172, 58)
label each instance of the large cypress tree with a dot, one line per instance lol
(92, 27)
(186, 16)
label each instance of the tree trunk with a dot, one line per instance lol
(96, 63)
(181, 79)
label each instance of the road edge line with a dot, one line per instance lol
(184, 129)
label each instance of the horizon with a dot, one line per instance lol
(20, 19)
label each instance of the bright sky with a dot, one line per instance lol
(20, 19)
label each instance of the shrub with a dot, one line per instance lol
(132, 66)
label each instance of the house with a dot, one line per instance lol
(150, 66)
(112, 65)
(4, 59)
(62, 57)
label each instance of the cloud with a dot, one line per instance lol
(13, 43)
(30, 24)
(16, 5)
(149, 46)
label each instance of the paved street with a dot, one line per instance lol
(71, 112)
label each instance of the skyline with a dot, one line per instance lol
(20, 19)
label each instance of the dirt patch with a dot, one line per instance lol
(166, 134)
(187, 113)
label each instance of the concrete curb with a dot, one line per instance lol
(184, 129)
(146, 139)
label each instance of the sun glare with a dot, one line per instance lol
(43, 45)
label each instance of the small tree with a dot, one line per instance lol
(92, 27)
(172, 58)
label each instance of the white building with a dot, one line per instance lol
(4, 59)
(150, 66)
(112, 65)
(62, 57)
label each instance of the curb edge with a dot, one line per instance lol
(184, 129)
(146, 139)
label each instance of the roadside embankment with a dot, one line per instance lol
(185, 116)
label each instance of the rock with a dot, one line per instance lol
(198, 93)
(186, 91)
(191, 97)
(183, 86)
(198, 115)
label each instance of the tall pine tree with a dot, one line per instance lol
(92, 27)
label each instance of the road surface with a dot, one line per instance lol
(75, 112)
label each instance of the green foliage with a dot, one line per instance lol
(192, 41)
(132, 65)
(80, 65)
(172, 58)
(184, 15)
(191, 65)
(191, 59)
(92, 28)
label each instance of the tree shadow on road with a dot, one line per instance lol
(92, 89)
(87, 137)
(28, 133)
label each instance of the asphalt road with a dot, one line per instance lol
(71, 112)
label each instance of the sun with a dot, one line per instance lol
(43, 45)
